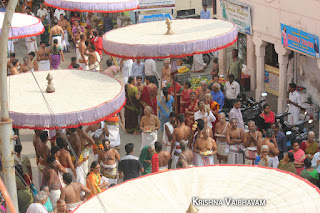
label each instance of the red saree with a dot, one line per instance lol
(185, 96)
(149, 98)
(191, 108)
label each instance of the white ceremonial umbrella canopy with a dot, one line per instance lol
(80, 98)
(190, 36)
(99, 6)
(23, 25)
(231, 188)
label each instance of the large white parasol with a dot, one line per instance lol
(99, 6)
(184, 37)
(23, 25)
(174, 190)
(80, 98)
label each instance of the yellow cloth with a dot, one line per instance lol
(93, 183)
(74, 160)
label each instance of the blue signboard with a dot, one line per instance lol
(300, 40)
(155, 17)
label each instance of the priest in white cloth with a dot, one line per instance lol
(43, 57)
(113, 126)
(126, 69)
(198, 64)
(31, 43)
(205, 148)
(235, 141)
(149, 126)
(168, 130)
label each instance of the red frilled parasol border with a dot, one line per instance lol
(242, 165)
(173, 56)
(73, 8)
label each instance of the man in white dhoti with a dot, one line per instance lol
(113, 126)
(38, 206)
(63, 23)
(31, 43)
(270, 141)
(222, 127)
(107, 159)
(250, 141)
(149, 126)
(51, 179)
(82, 57)
(56, 32)
(204, 149)
(168, 130)
(235, 142)
(198, 64)
(94, 60)
(71, 193)
(294, 102)
(43, 57)
(126, 70)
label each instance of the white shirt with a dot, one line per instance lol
(151, 68)
(126, 70)
(232, 90)
(58, 12)
(42, 12)
(36, 208)
(315, 158)
(236, 113)
(210, 117)
(295, 98)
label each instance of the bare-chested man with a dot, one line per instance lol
(82, 57)
(203, 90)
(9, 63)
(166, 78)
(32, 62)
(235, 141)
(65, 157)
(198, 133)
(107, 159)
(43, 57)
(140, 85)
(182, 132)
(99, 132)
(14, 70)
(55, 152)
(160, 159)
(36, 139)
(251, 140)
(94, 59)
(71, 193)
(222, 127)
(270, 141)
(52, 180)
(75, 143)
(204, 149)
(56, 32)
(186, 155)
(42, 152)
(149, 125)
(63, 23)
(86, 142)
(25, 67)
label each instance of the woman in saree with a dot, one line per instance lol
(132, 107)
(310, 147)
(23, 190)
(309, 173)
(287, 164)
(165, 103)
(214, 107)
(263, 159)
(185, 96)
(94, 180)
(299, 156)
(192, 107)
(149, 96)
(55, 55)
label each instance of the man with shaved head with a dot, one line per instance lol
(222, 127)
(235, 142)
(149, 126)
(251, 140)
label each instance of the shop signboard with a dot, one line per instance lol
(271, 79)
(156, 4)
(154, 17)
(239, 14)
(299, 40)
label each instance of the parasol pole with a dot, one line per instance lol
(5, 122)
(174, 71)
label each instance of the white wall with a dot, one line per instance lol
(190, 4)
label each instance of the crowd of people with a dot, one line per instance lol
(194, 130)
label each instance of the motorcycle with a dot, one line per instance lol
(206, 58)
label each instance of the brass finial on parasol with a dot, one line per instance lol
(50, 88)
(192, 209)
(169, 31)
